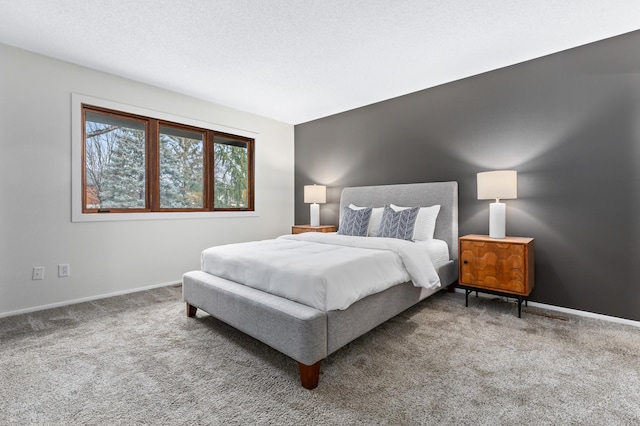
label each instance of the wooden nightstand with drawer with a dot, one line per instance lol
(299, 229)
(499, 266)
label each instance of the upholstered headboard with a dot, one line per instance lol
(413, 194)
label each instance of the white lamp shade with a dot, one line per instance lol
(315, 194)
(501, 184)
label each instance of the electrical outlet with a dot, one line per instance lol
(38, 273)
(63, 270)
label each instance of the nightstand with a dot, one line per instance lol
(299, 229)
(497, 266)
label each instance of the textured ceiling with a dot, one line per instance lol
(299, 60)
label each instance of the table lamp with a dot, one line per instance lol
(315, 194)
(496, 185)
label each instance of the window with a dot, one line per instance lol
(137, 164)
(181, 168)
(115, 162)
(231, 159)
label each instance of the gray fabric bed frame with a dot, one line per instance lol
(309, 335)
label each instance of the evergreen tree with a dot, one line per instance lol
(123, 183)
(100, 140)
(181, 172)
(231, 175)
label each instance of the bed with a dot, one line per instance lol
(309, 334)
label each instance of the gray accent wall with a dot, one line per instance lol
(569, 123)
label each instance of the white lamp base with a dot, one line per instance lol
(497, 220)
(315, 214)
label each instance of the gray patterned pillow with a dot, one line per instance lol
(355, 222)
(398, 224)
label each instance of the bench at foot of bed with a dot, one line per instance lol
(309, 374)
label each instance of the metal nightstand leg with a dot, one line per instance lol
(466, 296)
(519, 306)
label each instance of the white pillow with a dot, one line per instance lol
(374, 221)
(425, 223)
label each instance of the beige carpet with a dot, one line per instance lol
(137, 359)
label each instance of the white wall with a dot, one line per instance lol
(107, 257)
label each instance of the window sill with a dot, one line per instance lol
(111, 217)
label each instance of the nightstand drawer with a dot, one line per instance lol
(493, 266)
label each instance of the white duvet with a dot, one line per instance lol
(325, 271)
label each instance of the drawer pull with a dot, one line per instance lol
(465, 262)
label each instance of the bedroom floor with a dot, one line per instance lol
(139, 359)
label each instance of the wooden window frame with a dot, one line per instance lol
(152, 165)
(250, 166)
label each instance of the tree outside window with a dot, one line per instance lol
(135, 164)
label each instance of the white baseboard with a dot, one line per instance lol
(568, 311)
(457, 290)
(85, 299)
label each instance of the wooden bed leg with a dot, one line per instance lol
(309, 375)
(191, 310)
